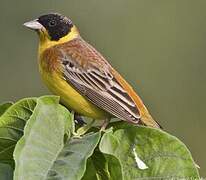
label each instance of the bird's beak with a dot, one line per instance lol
(34, 25)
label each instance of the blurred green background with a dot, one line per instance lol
(158, 45)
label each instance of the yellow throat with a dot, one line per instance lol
(45, 42)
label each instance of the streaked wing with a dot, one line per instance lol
(96, 82)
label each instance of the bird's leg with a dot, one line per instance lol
(104, 125)
(82, 130)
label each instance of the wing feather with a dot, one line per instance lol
(96, 82)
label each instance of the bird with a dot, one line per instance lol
(85, 81)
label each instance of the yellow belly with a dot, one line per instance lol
(71, 98)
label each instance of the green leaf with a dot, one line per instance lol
(41, 154)
(4, 107)
(6, 172)
(102, 167)
(43, 139)
(97, 167)
(149, 153)
(71, 161)
(114, 167)
(90, 172)
(11, 127)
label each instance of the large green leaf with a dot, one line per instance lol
(146, 153)
(4, 107)
(41, 154)
(12, 123)
(6, 172)
(43, 139)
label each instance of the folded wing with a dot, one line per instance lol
(90, 74)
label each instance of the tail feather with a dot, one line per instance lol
(149, 121)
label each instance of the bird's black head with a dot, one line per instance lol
(56, 25)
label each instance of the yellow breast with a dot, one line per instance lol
(70, 97)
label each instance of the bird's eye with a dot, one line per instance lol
(52, 23)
